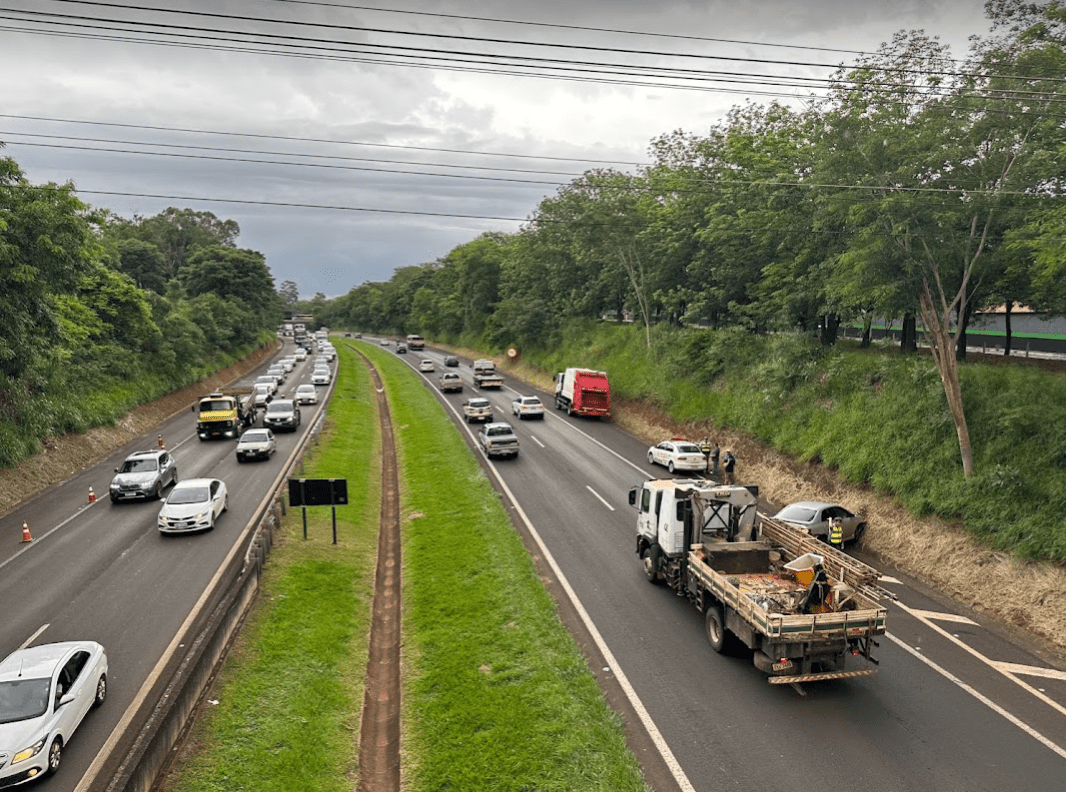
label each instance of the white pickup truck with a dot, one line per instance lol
(498, 439)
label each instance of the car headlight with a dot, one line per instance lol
(27, 753)
(202, 516)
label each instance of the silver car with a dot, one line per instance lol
(144, 475)
(282, 414)
(256, 444)
(193, 505)
(45, 693)
(815, 517)
(306, 394)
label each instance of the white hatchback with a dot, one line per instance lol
(306, 394)
(45, 693)
(321, 376)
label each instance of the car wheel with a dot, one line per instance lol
(55, 756)
(158, 492)
(651, 458)
(670, 466)
(715, 628)
(225, 503)
(239, 459)
(175, 479)
(101, 691)
(114, 499)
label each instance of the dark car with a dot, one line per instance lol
(451, 361)
(282, 414)
(144, 475)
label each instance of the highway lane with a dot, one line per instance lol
(952, 709)
(104, 572)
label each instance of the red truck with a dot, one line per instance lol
(583, 392)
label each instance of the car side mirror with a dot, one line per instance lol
(66, 699)
(633, 496)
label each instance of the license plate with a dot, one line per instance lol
(782, 666)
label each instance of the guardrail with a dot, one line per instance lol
(178, 696)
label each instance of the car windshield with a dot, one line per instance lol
(305, 389)
(803, 514)
(532, 401)
(189, 495)
(279, 407)
(254, 437)
(212, 405)
(139, 465)
(21, 699)
(688, 449)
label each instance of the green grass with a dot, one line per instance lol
(877, 416)
(289, 697)
(497, 696)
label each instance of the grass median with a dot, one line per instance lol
(497, 695)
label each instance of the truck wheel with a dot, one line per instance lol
(650, 572)
(715, 628)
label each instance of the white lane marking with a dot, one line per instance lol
(535, 440)
(1025, 727)
(942, 616)
(605, 503)
(1016, 668)
(38, 539)
(623, 681)
(33, 637)
(987, 661)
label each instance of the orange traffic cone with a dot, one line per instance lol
(26, 533)
(160, 442)
(92, 495)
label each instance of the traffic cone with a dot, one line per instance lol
(92, 495)
(160, 442)
(26, 533)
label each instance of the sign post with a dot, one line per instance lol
(318, 492)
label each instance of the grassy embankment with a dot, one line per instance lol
(877, 416)
(497, 696)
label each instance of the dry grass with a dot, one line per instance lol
(65, 456)
(1025, 599)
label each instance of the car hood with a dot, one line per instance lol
(16, 736)
(135, 478)
(179, 510)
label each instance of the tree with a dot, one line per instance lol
(235, 275)
(144, 263)
(289, 293)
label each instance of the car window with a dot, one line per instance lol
(803, 514)
(21, 699)
(73, 668)
(143, 465)
(255, 437)
(188, 495)
(215, 485)
(688, 449)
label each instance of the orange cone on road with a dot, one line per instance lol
(160, 442)
(26, 533)
(92, 495)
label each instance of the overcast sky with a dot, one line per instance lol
(393, 127)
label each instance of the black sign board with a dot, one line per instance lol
(318, 492)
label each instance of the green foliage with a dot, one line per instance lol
(877, 416)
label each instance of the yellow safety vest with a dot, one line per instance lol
(836, 534)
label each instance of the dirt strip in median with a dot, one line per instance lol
(379, 731)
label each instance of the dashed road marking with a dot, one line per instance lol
(605, 503)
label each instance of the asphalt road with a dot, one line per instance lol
(103, 571)
(953, 706)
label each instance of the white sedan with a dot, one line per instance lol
(45, 692)
(193, 505)
(321, 376)
(427, 366)
(678, 455)
(306, 394)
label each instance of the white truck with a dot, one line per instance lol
(806, 610)
(485, 375)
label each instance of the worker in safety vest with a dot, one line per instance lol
(836, 533)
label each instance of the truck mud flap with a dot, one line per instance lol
(790, 679)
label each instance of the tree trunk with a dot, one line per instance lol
(962, 324)
(908, 339)
(867, 326)
(938, 334)
(1006, 328)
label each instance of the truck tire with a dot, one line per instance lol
(715, 628)
(650, 572)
